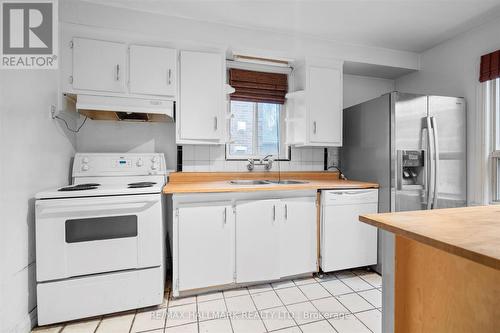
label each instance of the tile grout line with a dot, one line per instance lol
(367, 299)
(166, 312)
(197, 315)
(132, 323)
(323, 298)
(362, 321)
(370, 272)
(350, 312)
(354, 313)
(258, 311)
(227, 313)
(98, 324)
(286, 308)
(371, 284)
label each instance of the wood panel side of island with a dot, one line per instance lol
(436, 291)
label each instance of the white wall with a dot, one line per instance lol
(452, 68)
(35, 155)
(359, 89)
(113, 136)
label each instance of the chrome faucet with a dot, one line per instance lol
(266, 161)
(269, 159)
(251, 164)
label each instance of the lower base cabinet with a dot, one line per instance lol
(205, 245)
(240, 240)
(298, 236)
(257, 245)
(275, 238)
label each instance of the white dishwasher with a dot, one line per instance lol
(345, 241)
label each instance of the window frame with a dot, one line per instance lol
(283, 145)
(494, 153)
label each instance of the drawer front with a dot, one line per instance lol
(99, 294)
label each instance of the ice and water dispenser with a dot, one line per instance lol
(411, 169)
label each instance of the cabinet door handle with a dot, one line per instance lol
(215, 124)
(225, 216)
(286, 211)
(117, 72)
(169, 79)
(314, 127)
(274, 212)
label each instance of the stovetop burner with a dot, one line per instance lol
(141, 184)
(79, 187)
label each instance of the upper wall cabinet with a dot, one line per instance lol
(99, 65)
(201, 113)
(102, 67)
(315, 108)
(153, 70)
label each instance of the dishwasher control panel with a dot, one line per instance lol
(346, 197)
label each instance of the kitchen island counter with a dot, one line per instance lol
(469, 232)
(446, 270)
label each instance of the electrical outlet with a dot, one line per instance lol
(53, 112)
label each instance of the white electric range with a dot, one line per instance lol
(100, 242)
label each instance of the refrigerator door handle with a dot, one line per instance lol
(436, 161)
(430, 158)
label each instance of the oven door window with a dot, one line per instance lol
(101, 228)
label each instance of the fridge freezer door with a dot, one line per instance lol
(449, 127)
(408, 132)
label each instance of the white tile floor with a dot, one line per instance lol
(340, 302)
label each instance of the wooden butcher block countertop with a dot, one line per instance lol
(217, 182)
(469, 232)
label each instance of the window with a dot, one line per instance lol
(257, 114)
(256, 130)
(494, 90)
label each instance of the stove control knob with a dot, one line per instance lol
(154, 166)
(154, 159)
(140, 162)
(85, 160)
(85, 167)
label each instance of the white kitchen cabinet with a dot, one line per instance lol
(221, 239)
(298, 236)
(153, 70)
(201, 102)
(99, 65)
(345, 241)
(315, 108)
(205, 255)
(257, 240)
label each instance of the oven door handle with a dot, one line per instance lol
(96, 209)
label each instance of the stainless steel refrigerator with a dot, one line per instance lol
(414, 146)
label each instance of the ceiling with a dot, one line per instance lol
(410, 25)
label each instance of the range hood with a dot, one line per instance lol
(123, 108)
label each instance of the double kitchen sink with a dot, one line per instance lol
(265, 182)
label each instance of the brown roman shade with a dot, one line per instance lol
(490, 66)
(259, 87)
